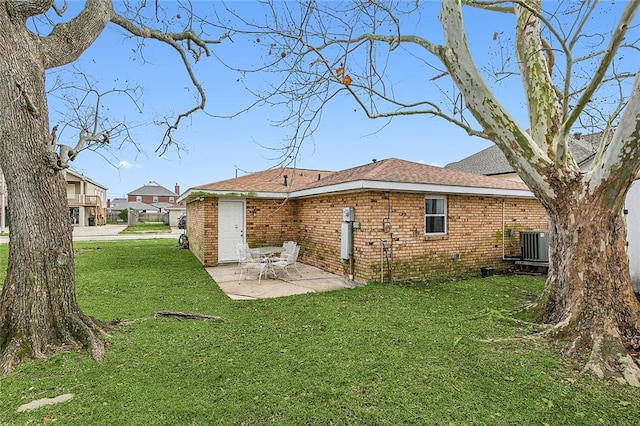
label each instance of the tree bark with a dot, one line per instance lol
(588, 298)
(588, 295)
(38, 308)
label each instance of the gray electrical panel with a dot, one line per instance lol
(345, 241)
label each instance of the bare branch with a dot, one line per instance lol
(69, 40)
(87, 116)
(60, 10)
(622, 156)
(173, 39)
(537, 80)
(523, 154)
(615, 42)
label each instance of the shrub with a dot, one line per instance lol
(123, 215)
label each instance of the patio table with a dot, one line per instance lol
(267, 254)
(268, 251)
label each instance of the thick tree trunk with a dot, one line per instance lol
(38, 309)
(588, 295)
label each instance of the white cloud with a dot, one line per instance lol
(124, 164)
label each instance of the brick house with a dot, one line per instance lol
(492, 162)
(414, 220)
(155, 195)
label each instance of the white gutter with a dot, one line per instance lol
(413, 187)
(237, 194)
(368, 185)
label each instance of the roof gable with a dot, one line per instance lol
(73, 176)
(272, 180)
(153, 188)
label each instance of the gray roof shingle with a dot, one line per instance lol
(271, 180)
(153, 188)
(390, 170)
(402, 171)
(491, 161)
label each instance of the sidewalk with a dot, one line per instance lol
(112, 232)
(109, 233)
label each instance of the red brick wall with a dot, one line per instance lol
(148, 199)
(273, 223)
(270, 222)
(474, 232)
(202, 230)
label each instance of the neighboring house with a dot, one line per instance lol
(415, 220)
(155, 195)
(153, 201)
(116, 204)
(87, 200)
(492, 162)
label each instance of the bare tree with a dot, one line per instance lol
(567, 60)
(38, 309)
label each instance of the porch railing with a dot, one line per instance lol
(84, 200)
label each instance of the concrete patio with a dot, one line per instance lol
(310, 280)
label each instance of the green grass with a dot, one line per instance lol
(145, 228)
(373, 355)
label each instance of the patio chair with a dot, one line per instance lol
(248, 260)
(288, 260)
(289, 246)
(287, 250)
(240, 248)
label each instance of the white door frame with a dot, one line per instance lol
(231, 228)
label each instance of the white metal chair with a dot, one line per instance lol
(240, 248)
(247, 260)
(289, 246)
(287, 250)
(288, 260)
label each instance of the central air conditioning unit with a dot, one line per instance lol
(534, 246)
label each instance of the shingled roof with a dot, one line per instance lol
(272, 180)
(390, 175)
(153, 188)
(396, 170)
(491, 161)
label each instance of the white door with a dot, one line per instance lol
(230, 229)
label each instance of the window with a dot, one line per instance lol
(435, 216)
(171, 199)
(155, 198)
(139, 198)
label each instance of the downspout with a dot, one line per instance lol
(381, 261)
(503, 252)
(503, 243)
(351, 253)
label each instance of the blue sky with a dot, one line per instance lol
(216, 148)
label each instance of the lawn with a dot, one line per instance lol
(143, 228)
(372, 355)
